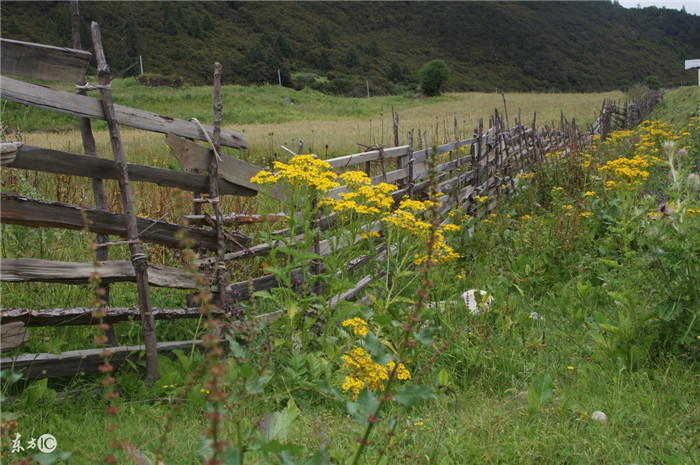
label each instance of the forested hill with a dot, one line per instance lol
(337, 46)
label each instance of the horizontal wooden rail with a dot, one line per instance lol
(363, 157)
(32, 269)
(88, 107)
(17, 209)
(57, 162)
(43, 61)
(84, 315)
(74, 362)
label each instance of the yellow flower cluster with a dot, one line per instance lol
(367, 374)
(301, 170)
(359, 326)
(629, 170)
(362, 198)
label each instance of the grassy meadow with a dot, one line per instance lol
(594, 270)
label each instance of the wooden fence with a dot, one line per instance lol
(484, 164)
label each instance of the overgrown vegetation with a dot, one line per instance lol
(512, 46)
(593, 268)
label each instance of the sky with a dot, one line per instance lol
(691, 6)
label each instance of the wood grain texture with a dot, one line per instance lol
(12, 334)
(51, 271)
(55, 161)
(84, 315)
(43, 61)
(74, 362)
(22, 210)
(88, 107)
(194, 156)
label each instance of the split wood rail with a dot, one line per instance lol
(484, 164)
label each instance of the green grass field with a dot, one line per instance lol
(610, 275)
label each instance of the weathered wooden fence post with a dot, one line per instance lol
(214, 189)
(138, 258)
(98, 188)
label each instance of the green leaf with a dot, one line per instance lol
(325, 388)
(540, 391)
(376, 349)
(292, 309)
(184, 361)
(426, 335)
(262, 295)
(50, 458)
(365, 405)
(283, 420)
(10, 376)
(443, 377)
(235, 348)
(35, 391)
(319, 458)
(411, 395)
(256, 385)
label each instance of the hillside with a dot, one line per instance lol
(337, 46)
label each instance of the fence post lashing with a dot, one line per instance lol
(138, 258)
(98, 188)
(214, 189)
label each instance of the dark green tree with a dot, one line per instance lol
(652, 82)
(324, 36)
(352, 60)
(207, 23)
(282, 46)
(324, 63)
(131, 42)
(12, 27)
(373, 49)
(433, 76)
(167, 9)
(179, 15)
(171, 26)
(395, 74)
(194, 28)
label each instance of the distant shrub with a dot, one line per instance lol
(207, 23)
(152, 80)
(324, 62)
(433, 76)
(652, 82)
(395, 74)
(12, 27)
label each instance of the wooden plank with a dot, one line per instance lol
(55, 161)
(73, 362)
(22, 210)
(12, 334)
(239, 290)
(194, 156)
(363, 157)
(88, 107)
(236, 219)
(43, 61)
(51, 271)
(83, 315)
(8, 152)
